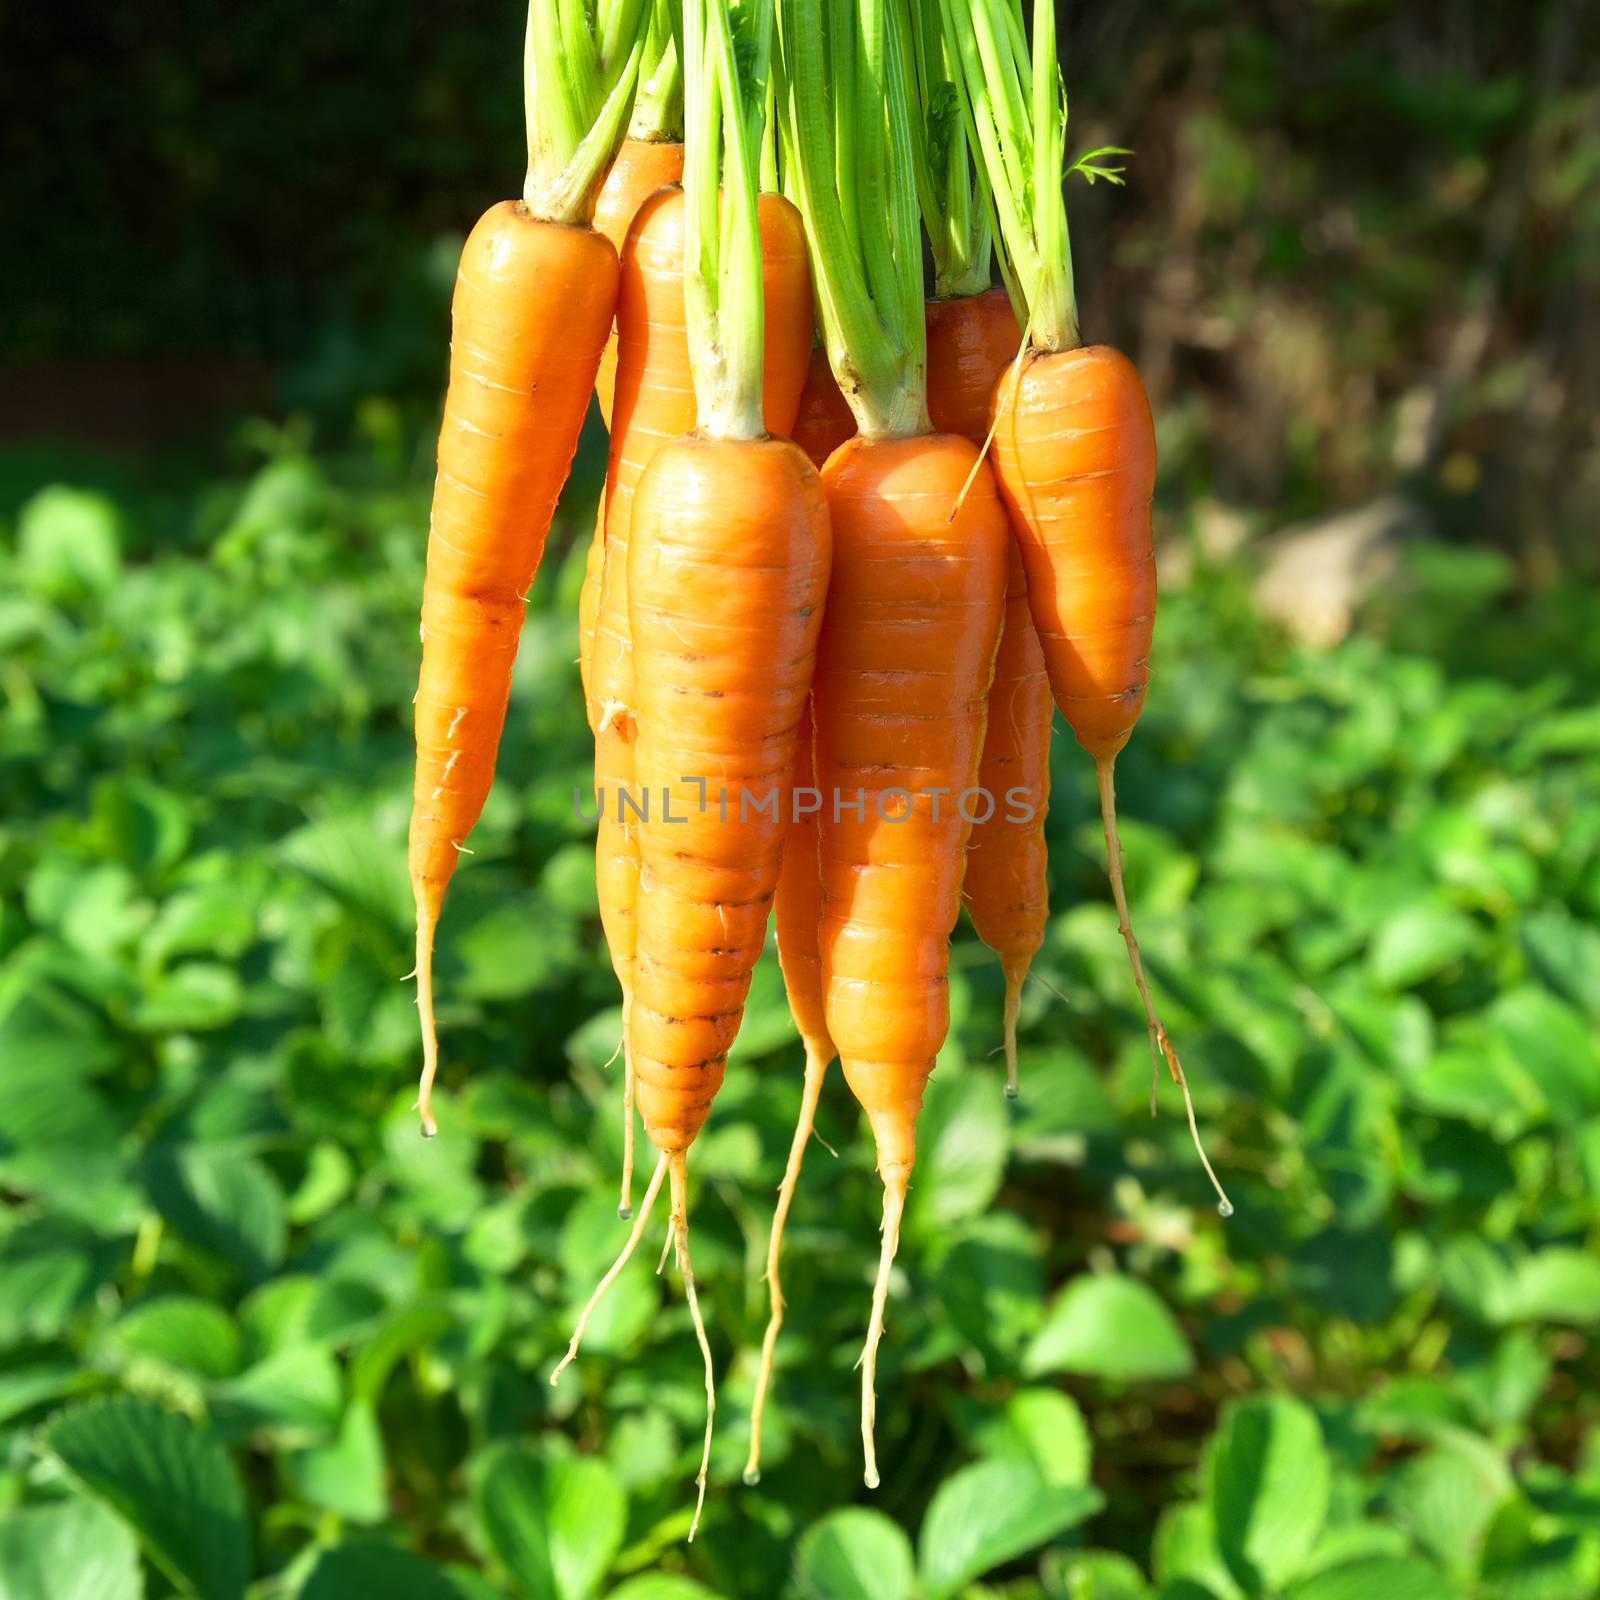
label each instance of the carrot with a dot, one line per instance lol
(913, 618)
(727, 573)
(642, 166)
(654, 403)
(520, 377)
(825, 421)
(651, 157)
(971, 341)
(972, 337)
(1007, 889)
(1075, 451)
(903, 673)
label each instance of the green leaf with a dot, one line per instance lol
(1558, 1285)
(1185, 1552)
(660, 1586)
(346, 1476)
(1092, 1575)
(988, 1514)
(1268, 1483)
(1392, 1577)
(190, 999)
(223, 1201)
(1477, 1280)
(1045, 1428)
(1554, 1046)
(351, 1570)
(412, 1328)
(181, 1332)
(854, 1554)
(1447, 1497)
(1567, 953)
(68, 543)
(296, 1390)
(1110, 1326)
(1417, 942)
(961, 1148)
(174, 1483)
(1521, 1561)
(73, 1550)
(555, 1522)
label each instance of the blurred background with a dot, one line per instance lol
(255, 1336)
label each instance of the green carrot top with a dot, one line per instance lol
(581, 68)
(658, 106)
(850, 167)
(726, 54)
(1015, 108)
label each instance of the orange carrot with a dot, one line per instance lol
(654, 403)
(1007, 889)
(534, 297)
(903, 674)
(642, 166)
(913, 619)
(825, 421)
(1075, 448)
(971, 341)
(727, 571)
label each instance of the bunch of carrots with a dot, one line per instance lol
(857, 543)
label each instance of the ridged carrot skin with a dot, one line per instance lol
(825, 420)
(903, 673)
(655, 404)
(642, 166)
(1075, 458)
(520, 380)
(659, 403)
(972, 340)
(799, 906)
(728, 572)
(1007, 890)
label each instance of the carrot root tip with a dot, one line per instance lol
(611, 1273)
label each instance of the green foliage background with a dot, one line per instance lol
(257, 1337)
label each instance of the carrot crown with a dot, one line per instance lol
(658, 106)
(850, 167)
(956, 217)
(580, 68)
(725, 87)
(1015, 108)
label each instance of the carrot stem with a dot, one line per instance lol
(816, 1070)
(579, 86)
(1016, 117)
(1160, 1045)
(846, 122)
(658, 105)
